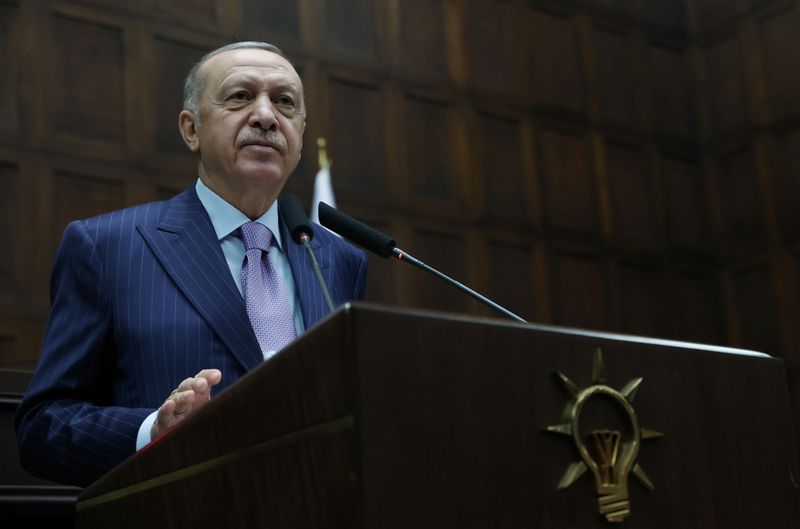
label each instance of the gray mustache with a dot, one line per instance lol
(270, 137)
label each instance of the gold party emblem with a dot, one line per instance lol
(609, 452)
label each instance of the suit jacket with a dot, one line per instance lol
(141, 299)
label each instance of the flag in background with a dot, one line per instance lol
(323, 188)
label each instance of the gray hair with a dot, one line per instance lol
(194, 83)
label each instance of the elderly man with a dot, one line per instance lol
(171, 299)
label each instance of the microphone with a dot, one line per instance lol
(383, 245)
(300, 229)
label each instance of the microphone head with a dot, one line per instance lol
(355, 230)
(295, 217)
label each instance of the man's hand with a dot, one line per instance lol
(184, 400)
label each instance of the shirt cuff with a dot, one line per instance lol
(143, 438)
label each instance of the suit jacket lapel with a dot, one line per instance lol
(312, 302)
(187, 247)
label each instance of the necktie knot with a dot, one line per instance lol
(256, 236)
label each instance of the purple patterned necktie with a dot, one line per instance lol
(264, 295)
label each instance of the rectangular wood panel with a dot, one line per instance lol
(672, 105)
(445, 252)
(173, 60)
(725, 86)
(349, 28)
(630, 191)
(569, 187)
(758, 315)
(786, 167)
(8, 72)
(280, 17)
(10, 213)
(431, 156)
(357, 115)
(688, 223)
(502, 168)
(643, 301)
(615, 76)
(555, 65)
(493, 45)
(578, 290)
(710, 13)
(697, 308)
(422, 48)
(740, 201)
(90, 95)
(200, 12)
(79, 196)
(780, 42)
(511, 277)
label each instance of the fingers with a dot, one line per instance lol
(190, 395)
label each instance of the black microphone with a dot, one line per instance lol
(300, 229)
(383, 245)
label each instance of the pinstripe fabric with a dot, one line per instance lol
(141, 299)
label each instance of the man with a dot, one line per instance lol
(155, 305)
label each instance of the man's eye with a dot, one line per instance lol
(285, 101)
(238, 96)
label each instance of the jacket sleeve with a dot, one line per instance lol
(67, 428)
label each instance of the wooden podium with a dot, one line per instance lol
(384, 418)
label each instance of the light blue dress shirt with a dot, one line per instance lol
(227, 220)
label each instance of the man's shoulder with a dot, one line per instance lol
(324, 236)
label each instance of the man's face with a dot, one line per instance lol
(252, 117)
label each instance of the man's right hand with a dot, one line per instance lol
(184, 400)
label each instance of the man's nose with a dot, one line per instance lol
(263, 114)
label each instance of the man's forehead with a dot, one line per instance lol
(248, 60)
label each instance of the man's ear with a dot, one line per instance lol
(188, 127)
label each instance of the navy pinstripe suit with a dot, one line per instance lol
(141, 299)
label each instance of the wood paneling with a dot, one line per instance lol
(569, 189)
(511, 277)
(630, 190)
(697, 308)
(89, 94)
(502, 167)
(578, 287)
(443, 251)
(422, 46)
(786, 166)
(672, 106)
(349, 28)
(780, 42)
(493, 41)
(643, 303)
(615, 76)
(555, 64)
(725, 85)
(686, 200)
(10, 213)
(357, 116)
(8, 74)
(271, 17)
(754, 289)
(740, 202)
(431, 160)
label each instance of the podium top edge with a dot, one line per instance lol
(355, 306)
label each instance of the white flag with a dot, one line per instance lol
(323, 191)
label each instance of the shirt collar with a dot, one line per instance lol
(226, 219)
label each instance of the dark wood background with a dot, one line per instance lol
(630, 165)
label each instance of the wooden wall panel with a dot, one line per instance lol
(710, 13)
(276, 18)
(431, 157)
(90, 94)
(578, 290)
(754, 290)
(173, 60)
(643, 302)
(204, 13)
(688, 222)
(422, 47)
(556, 71)
(615, 78)
(443, 251)
(697, 307)
(511, 277)
(79, 195)
(630, 190)
(780, 41)
(725, 85)
(502, 168)
(349, 28)
(8, 73)
(786, 167)
(568, 186)
(10, 212)
(743, 229)
(493, 42)
(358, 117)
(672, 104)
(661, 13)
